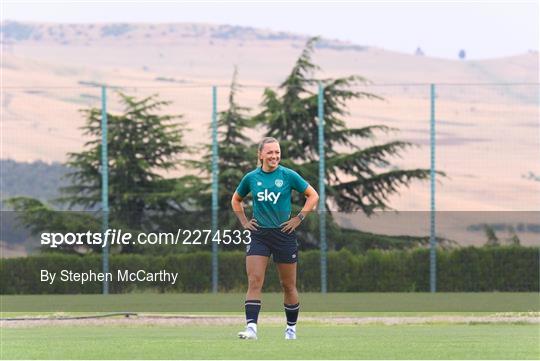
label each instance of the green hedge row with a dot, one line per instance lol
(460, 270)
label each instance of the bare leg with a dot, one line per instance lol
(287, 277)
(255, 268)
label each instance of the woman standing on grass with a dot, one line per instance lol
(272, 231)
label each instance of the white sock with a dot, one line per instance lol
(252, 325)
(292, 327)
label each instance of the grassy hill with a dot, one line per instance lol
(487, 135)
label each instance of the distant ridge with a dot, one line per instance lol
(87, 34)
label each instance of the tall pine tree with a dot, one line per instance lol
(357, 180)
(237, 156)
(143, 145)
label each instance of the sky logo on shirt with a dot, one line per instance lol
(268, 196)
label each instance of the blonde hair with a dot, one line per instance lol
(264, 141)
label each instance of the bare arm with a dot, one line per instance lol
(238, 208)
(312, 197)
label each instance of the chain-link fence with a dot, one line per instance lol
(458, 162)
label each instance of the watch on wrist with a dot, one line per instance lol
(301, 216)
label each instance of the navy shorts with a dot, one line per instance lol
(272, 241)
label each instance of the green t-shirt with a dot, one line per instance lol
(271, 194)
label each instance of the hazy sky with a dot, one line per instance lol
(485, 29)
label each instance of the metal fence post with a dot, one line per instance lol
(215, 173)
(104, 186)
(322, 194)
(432, 239)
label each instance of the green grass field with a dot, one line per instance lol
(311, 302)
(132, 340)
(315, 342)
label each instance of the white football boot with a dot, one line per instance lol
(290, 333)
(250, 333)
